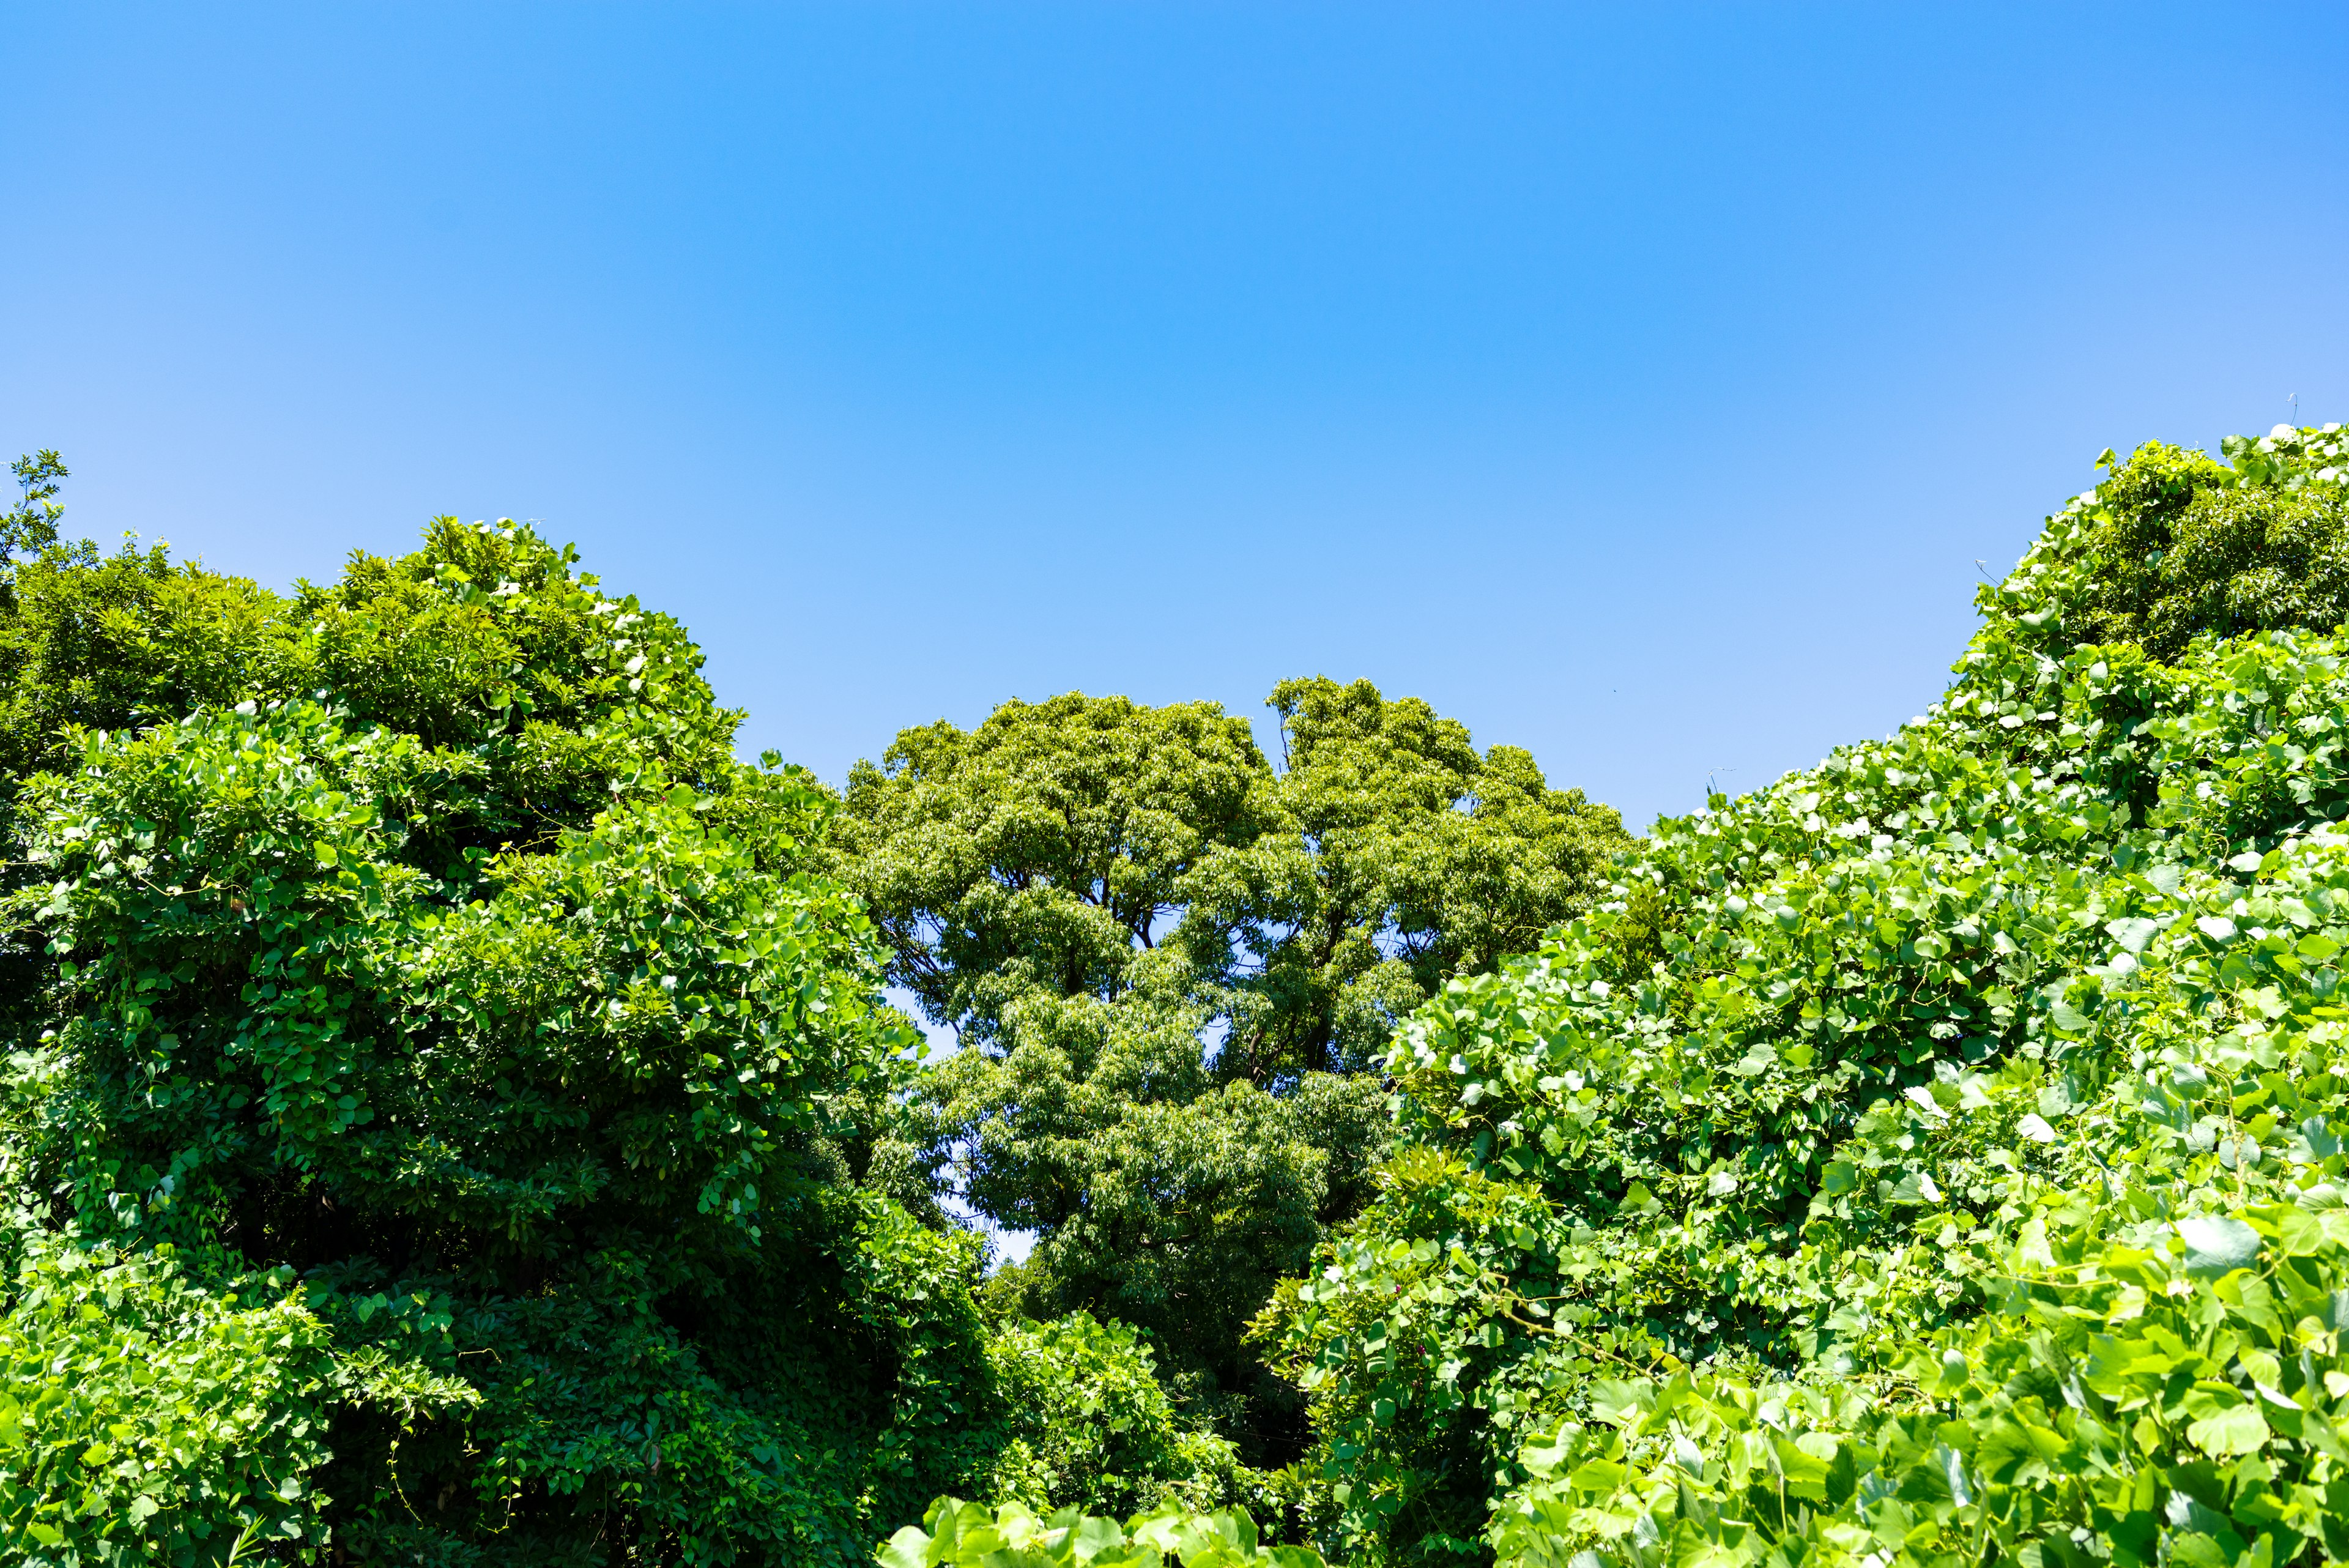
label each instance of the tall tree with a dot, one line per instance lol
(1175, 969)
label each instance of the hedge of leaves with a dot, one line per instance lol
(1929, 1156)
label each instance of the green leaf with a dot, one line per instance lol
(2296, 1232)
(1091, 1537)
(909, 1548)
(1805, 1473)
(2238, 1429)
(2216, 1246)
(1620, 1404)
(1596, 1478)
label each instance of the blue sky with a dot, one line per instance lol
(1639, 385)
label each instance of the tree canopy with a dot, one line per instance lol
(1175, 969)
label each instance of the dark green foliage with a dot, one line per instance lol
(1400, 853)
(2176, 551)
(1043, 849)
(620, 1039)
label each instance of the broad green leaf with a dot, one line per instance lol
(2216, 1245)
(2238, 1429)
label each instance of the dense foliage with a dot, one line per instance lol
(448, 1119)
(1931, 1157)
(1175, 970)
(449, 1114)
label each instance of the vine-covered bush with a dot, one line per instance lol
(443, 1102)
(2154, 1365)
(2172, 548)
(1926, 1157)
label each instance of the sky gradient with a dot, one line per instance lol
(1641, 386)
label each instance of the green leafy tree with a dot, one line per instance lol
(1173, 969)
(1044, 850)
(1394, 856)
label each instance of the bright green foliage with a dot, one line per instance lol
(2156, 1370)
(275, 1008)
(1092, 1427)
(140, 1413)
(31, 525)
(966, 1535)
(116, 641)
(416, 945)
(2002, 991)
(485, 640)
(1174, 966)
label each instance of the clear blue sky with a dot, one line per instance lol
(1639, 385)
